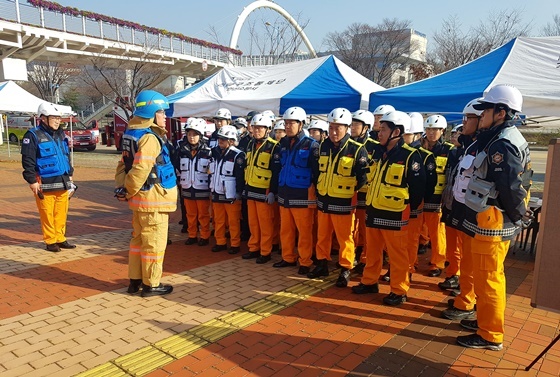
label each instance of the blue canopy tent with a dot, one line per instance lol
(317, 85)
(530, 64)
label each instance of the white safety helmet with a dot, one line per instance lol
(270, 114)
(228, 132)
(261, 120)
(383, 109)
(240, 122)
(223, 113)
(457, 128)
(340, 115)
(416, 123)
(280, 125)
(469, 107)
(364, 116)
(295, 113)
(435, 121)
(502, 94)
(196, 124)
(49, 109)
(398, 118)
(319, 125)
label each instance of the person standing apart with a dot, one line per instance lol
(45, 158)
(145, 177)
(342, 169)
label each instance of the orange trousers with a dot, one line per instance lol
(227, 214)
(198, 211)
(453, 250)
(436, 231)
(261, 224)
(53, 211)
(424, 238)
(276, 239)
(490, 287)
(343, 228)
(297, 223)
(414, 230)
(467, 298)
(360, 231)
(396, 243)
(147, 246)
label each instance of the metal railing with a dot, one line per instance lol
(11, 10)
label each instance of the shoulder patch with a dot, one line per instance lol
(363, 160)
(240, 161)
(415, 166)
(497, 158)
(431, 166)
(25, 140)
(316, 152)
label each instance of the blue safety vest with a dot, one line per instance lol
(163, 171)
(53, 154)
(295, 171)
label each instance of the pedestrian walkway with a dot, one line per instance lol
(68, 313)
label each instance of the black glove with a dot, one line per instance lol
(120, 194)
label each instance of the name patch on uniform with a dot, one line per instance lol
(497, 158)
(415, 166)
(25, 141)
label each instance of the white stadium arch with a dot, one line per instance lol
(271, 5)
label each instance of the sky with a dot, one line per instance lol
(194, 18)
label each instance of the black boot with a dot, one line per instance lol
(322, 269)
(343, 278)
(134, 285)
(156, 291)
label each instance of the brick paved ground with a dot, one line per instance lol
(67, 313)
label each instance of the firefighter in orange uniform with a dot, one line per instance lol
(396, 188)
(296, 193)
(261, 186)
(435, 126)
(227, 183)
(362, 123)
(146, 178)
(342, 171)
(496, 200)
(194, 160)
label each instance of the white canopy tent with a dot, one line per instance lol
(317, 85)
(15, 99)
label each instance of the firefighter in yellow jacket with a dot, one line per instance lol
(261, 187)
(496, 200)
(342, 171)
(434, 127)
(145, 177)
(397, 187)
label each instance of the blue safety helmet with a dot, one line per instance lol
(148, 102)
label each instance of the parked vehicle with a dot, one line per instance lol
(17, 127)
(82, 136)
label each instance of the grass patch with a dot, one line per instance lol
(540, 139)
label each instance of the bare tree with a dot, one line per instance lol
(121, 83)
(454, 47)
(376, 52)
(552, 29)
(48, 77)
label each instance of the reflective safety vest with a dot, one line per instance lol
(388, 189)
(194, 171)
(335, 173)
(163, 171)
(370, 146)
(296, 170)
(222, 179)
(479, 191)
(258, 173)
(465, 169)
(53, 154)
